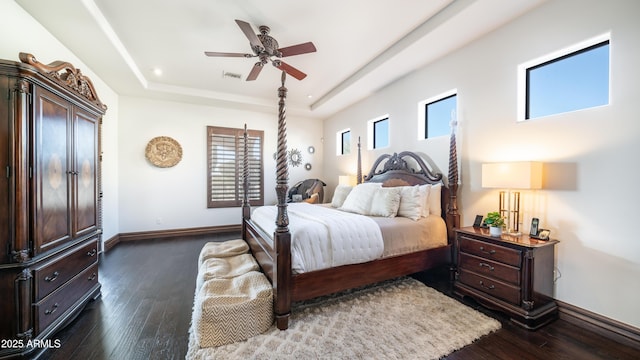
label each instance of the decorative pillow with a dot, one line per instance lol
(410, 206)
(386, 202)
(423, 192)
(435, 196)
(340, 194)
(359, 199)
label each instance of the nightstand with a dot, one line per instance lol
(512, 274)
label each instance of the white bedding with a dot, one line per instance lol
(349, 239)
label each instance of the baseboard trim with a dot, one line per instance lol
(145, 235)
(111, 242)
(604, 326)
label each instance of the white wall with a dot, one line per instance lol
(21, 33)
(591, 192)
(154, 198)
(137, 195)
(589, 202)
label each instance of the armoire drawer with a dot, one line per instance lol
(55, 273)
(491, 287)
(59, 301)
(490, 251)
(490, 268)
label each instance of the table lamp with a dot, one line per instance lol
(349, 180)
(509, 176)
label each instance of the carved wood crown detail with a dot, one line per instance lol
(397, 162)
(71, 77)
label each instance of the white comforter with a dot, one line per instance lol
(322, 237)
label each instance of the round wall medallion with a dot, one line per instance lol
(163, 151)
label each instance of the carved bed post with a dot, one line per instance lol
(359, 173)
(452, 211)
(453, 217)
(246, 207)
(282, 237)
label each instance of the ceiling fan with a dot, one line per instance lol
(265, 48)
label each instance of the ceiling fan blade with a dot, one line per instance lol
(255, 71)
(250, 34)
(291, 71)
(225, 54)
(304, 48)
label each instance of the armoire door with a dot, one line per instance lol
(52, 172)
(85, 186)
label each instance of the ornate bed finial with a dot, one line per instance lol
(72, 78)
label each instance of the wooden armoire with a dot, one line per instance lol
(50, 201)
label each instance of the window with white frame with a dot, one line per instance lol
(343, 142)
(435, 115)
(571, 79)
(378, 130)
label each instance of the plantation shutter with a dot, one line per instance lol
(225, 148)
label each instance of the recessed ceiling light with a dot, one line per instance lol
(157, 71)
(309, 96)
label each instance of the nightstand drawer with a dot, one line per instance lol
(490, 268)
(490, 251)
(491, 287)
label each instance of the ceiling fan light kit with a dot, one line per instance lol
(265, 48)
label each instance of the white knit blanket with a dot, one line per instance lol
(323, 237)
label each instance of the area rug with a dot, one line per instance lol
(399, 319)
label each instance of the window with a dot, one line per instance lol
(225, 153)
(344, 142)
(378, 132)
(436, 115)
(572, 79)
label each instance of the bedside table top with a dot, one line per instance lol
(522, 240)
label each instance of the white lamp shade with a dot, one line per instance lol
(349, 180)
(512, 175)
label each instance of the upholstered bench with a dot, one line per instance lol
(225, 268)
(223, 249)
(232, 309)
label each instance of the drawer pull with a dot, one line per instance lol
(491, 268)
(52, 310)
(92, 253)
(52, 277)
(490, 252)
(491, 287)
(92, 277)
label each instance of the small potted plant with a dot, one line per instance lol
(495, 222)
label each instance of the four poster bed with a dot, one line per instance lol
(273, 251)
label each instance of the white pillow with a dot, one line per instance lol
(423, 192)
(359, 199)
(435, 196)
(410, 206)
(386, 202)
(340, 194)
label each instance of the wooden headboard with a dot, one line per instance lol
(396, 168)
(407, 169)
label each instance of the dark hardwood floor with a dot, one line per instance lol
(147, 297)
